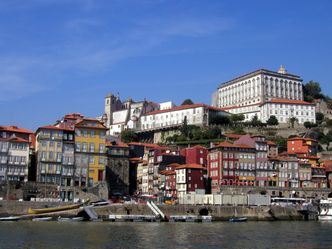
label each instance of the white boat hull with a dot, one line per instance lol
(325, 210)
(325, 217)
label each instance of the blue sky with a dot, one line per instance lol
(63, 56)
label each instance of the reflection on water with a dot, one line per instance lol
(294, 234)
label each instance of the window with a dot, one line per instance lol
(101, 148)
(91, 159)
(78, 146)
(58, 157)
(84, 147)
(92, 133)
(92, 147)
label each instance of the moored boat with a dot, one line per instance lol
(53, 209)
(238, 219)
(73, 219)
(10, 218)
(325, 210)
(42, 219)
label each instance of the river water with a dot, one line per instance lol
(282, 234)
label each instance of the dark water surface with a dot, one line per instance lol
(49, 235)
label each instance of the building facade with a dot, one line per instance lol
(189, 178)
(117, 169)
(195, 114)
(49, 142)
(195, 155)
(231, 164)
(265, 93)
(90, 152)
(14, 159)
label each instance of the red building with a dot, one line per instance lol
(195, 155)
(170, 183)
(190, 178)
(231, 164)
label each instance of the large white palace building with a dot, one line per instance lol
(265, 93)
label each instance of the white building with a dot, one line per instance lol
(262, 91)
(14, 159)
(196, 114)
(125, 115)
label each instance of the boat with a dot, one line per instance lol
(73, 219)
(53, 209)
(238, 219)
(42, 219)
(10, 218)
(325, 210)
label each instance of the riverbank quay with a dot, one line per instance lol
(218, 213)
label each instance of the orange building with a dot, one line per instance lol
(302, 146)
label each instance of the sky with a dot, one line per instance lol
(65, 56)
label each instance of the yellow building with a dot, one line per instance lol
(90, 152)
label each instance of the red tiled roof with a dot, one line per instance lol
(190, 166)
(269, 142)
(15, 139)
(238, 106)
(230, 145)
(101, 125)
(283, 158)
(302, 138)
(13, 128)
(328, 165)
(73, 116)
(288, 101)
(184, 107)
(308, 157)
(18, 139)
(232, 136)
(50, 127)
(167, 172)
(134, 159)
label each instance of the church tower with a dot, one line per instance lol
(112, 104)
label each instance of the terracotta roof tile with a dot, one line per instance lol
(13, 128)
(184, 107)
(190, 166)
(289, 101)
(269, 142)
(230, 145)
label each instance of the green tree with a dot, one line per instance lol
(319, 117)
(309, 125)
(272, 120)
(185, 128)
(235, 118)
(187, 102)
(292, 121)
(220, 120)
(282, 144)
(255, 121)
(312, 90)
(128, 136)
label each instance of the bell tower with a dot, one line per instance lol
(112, 103)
